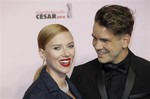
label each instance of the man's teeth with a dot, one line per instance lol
(101, 53)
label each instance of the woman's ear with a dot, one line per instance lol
(126, 40)
(42, 54)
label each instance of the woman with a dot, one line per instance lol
(56, 48)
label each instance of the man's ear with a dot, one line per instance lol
(42, 54)
(126, 40)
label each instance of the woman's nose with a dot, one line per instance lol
(66, 52)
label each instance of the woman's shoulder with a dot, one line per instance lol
(35, 90)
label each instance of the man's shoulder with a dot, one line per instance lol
(92, 64)
(84, 72)
(140, 61)
(143, 60)
(140, 64)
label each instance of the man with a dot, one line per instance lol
(117, 73)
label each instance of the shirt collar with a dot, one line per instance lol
(49, 81)
(122, 66)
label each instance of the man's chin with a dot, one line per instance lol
(102, 60)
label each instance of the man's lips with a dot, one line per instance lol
(100, 53)
(65, 62)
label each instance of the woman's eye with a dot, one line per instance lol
(57, 48)
(71, 46)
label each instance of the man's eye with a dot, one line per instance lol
(104, 40)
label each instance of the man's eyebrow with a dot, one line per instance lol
(103, 39)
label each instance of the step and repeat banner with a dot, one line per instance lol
(21, 21)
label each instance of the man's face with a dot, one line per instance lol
(109, 48)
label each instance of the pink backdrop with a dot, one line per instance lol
(20, 24)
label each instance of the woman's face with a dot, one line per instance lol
(59, 53)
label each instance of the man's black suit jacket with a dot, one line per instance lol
(85, 79)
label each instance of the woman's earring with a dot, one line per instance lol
(43, 62)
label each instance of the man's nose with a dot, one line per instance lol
(98, 45)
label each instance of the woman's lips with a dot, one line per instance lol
(65, 62)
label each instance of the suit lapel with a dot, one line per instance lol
(129, 83)
(137, 91)
(130, 78)
(101, 84)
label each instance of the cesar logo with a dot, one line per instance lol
(69, 10)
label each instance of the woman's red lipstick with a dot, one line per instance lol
(65, 62)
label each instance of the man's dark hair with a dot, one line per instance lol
(118, 19)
